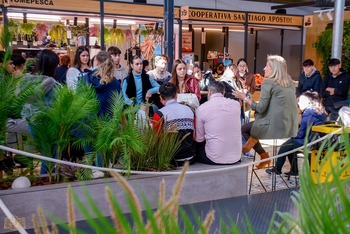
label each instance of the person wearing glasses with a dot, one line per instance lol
(120, 72)
(79, 68)
(138, 87)
(247, 80)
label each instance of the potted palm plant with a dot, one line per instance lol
(70, 113)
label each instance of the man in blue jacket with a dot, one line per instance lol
(310, 80)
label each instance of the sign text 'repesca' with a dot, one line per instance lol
(33, 2)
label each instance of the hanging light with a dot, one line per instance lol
(320, 16)
(329, 15)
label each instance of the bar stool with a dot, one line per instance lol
(274, 177)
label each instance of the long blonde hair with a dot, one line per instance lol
(105, 70)
(279, 70)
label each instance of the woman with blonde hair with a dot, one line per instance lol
(102, 80)
(276, 113)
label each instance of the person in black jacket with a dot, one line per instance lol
(310, 80)
(334, 88)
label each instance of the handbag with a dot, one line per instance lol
(189, 99)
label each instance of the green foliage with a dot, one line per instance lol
(323, 207)
(117, 36)
(27, 28)
(79, 30)
(161, 146)
(324, 48)
(69, 113)
(11, 98)
(116, 133)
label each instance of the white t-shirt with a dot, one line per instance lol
(72, 77)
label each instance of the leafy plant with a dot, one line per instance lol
(27, 28)
(324, 47)
(107, 35)
(161, 146)
(323, 208)
(163, 220)
(72, 173)
(117, 36)
(69, 113)
(41, 30)
(58, 34)
(79, 30)
(11, 99)
(94, 30)
(12, 26)
(116, 133)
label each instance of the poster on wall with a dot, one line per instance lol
(187, 41)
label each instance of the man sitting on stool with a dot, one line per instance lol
(218, 128)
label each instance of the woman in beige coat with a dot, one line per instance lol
(276, 113)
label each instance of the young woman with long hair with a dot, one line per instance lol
(79, 67)
(184, 83)
(102, 79)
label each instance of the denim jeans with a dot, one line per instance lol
(285, 147)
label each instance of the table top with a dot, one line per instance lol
(329, 128)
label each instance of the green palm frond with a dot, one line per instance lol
(68, 114)
(117, 133)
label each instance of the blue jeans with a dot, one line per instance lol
(285, 147)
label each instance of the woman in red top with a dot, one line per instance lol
(183, 82)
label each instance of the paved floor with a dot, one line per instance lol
(266, 179)
(257, 208)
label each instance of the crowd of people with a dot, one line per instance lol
(219, 130)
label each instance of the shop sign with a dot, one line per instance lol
(30, 2)
(92, 6)
(240, 17)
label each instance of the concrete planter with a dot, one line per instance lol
(203, 186)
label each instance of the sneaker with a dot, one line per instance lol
(273, 170)
(291, 173)
(248, 155)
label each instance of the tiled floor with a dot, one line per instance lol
(266, 179)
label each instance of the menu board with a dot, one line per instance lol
(187, 41)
